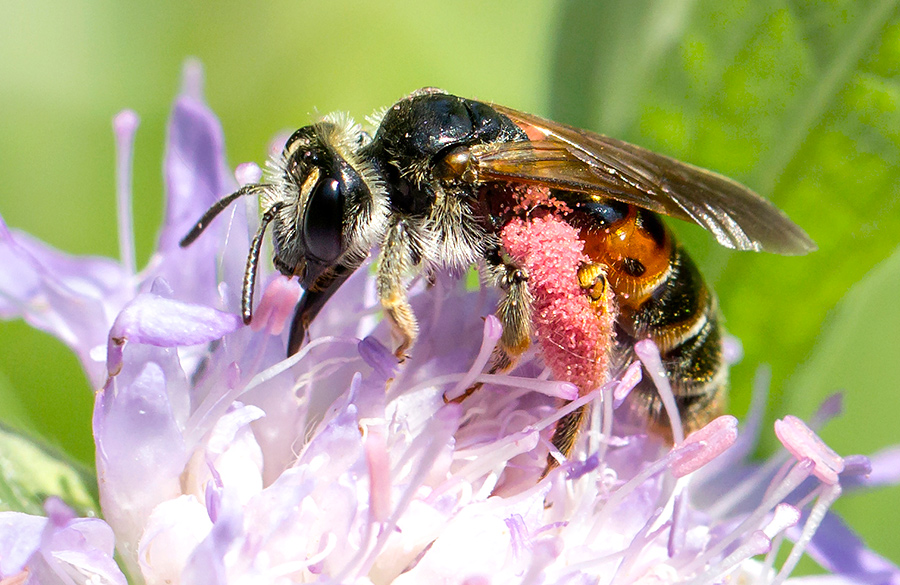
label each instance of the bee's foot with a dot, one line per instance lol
(469, 391)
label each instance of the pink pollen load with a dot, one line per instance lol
(575, 335)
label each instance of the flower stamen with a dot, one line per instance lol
(827, 494)
(714, 438)
(803, 443)
(492, 332)
(125, 125)
(648, 353)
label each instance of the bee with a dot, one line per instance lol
(438, 186)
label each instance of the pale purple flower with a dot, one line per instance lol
(221, 462)
(58, 548)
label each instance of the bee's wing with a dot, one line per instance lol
(568, 158)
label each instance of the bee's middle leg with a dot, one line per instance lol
(514, 312)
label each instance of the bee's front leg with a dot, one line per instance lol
(395, 262)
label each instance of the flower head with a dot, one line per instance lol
(219, 461)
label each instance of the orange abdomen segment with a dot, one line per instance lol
(661, 296)
(636, 251)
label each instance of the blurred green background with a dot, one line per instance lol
(799, 100)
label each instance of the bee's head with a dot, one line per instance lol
(326, 203)
(321, 191)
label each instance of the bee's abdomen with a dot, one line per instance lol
(661, 296)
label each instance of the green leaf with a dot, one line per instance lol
(14, 412)
(30, 472)
(855, 354)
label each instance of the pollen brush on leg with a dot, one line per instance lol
(575, 330)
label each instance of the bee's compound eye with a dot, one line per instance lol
(322, 224)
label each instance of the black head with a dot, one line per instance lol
(326, 205)
(316, 185)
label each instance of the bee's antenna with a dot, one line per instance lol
(252, 258)
(215, 210)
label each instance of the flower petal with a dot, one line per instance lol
(174, 529)
(82, 548)
(20, 537)
(195, 170)
(196, 176)
(73, 298)
(140, 450)
(839, 550)
(155, 320)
